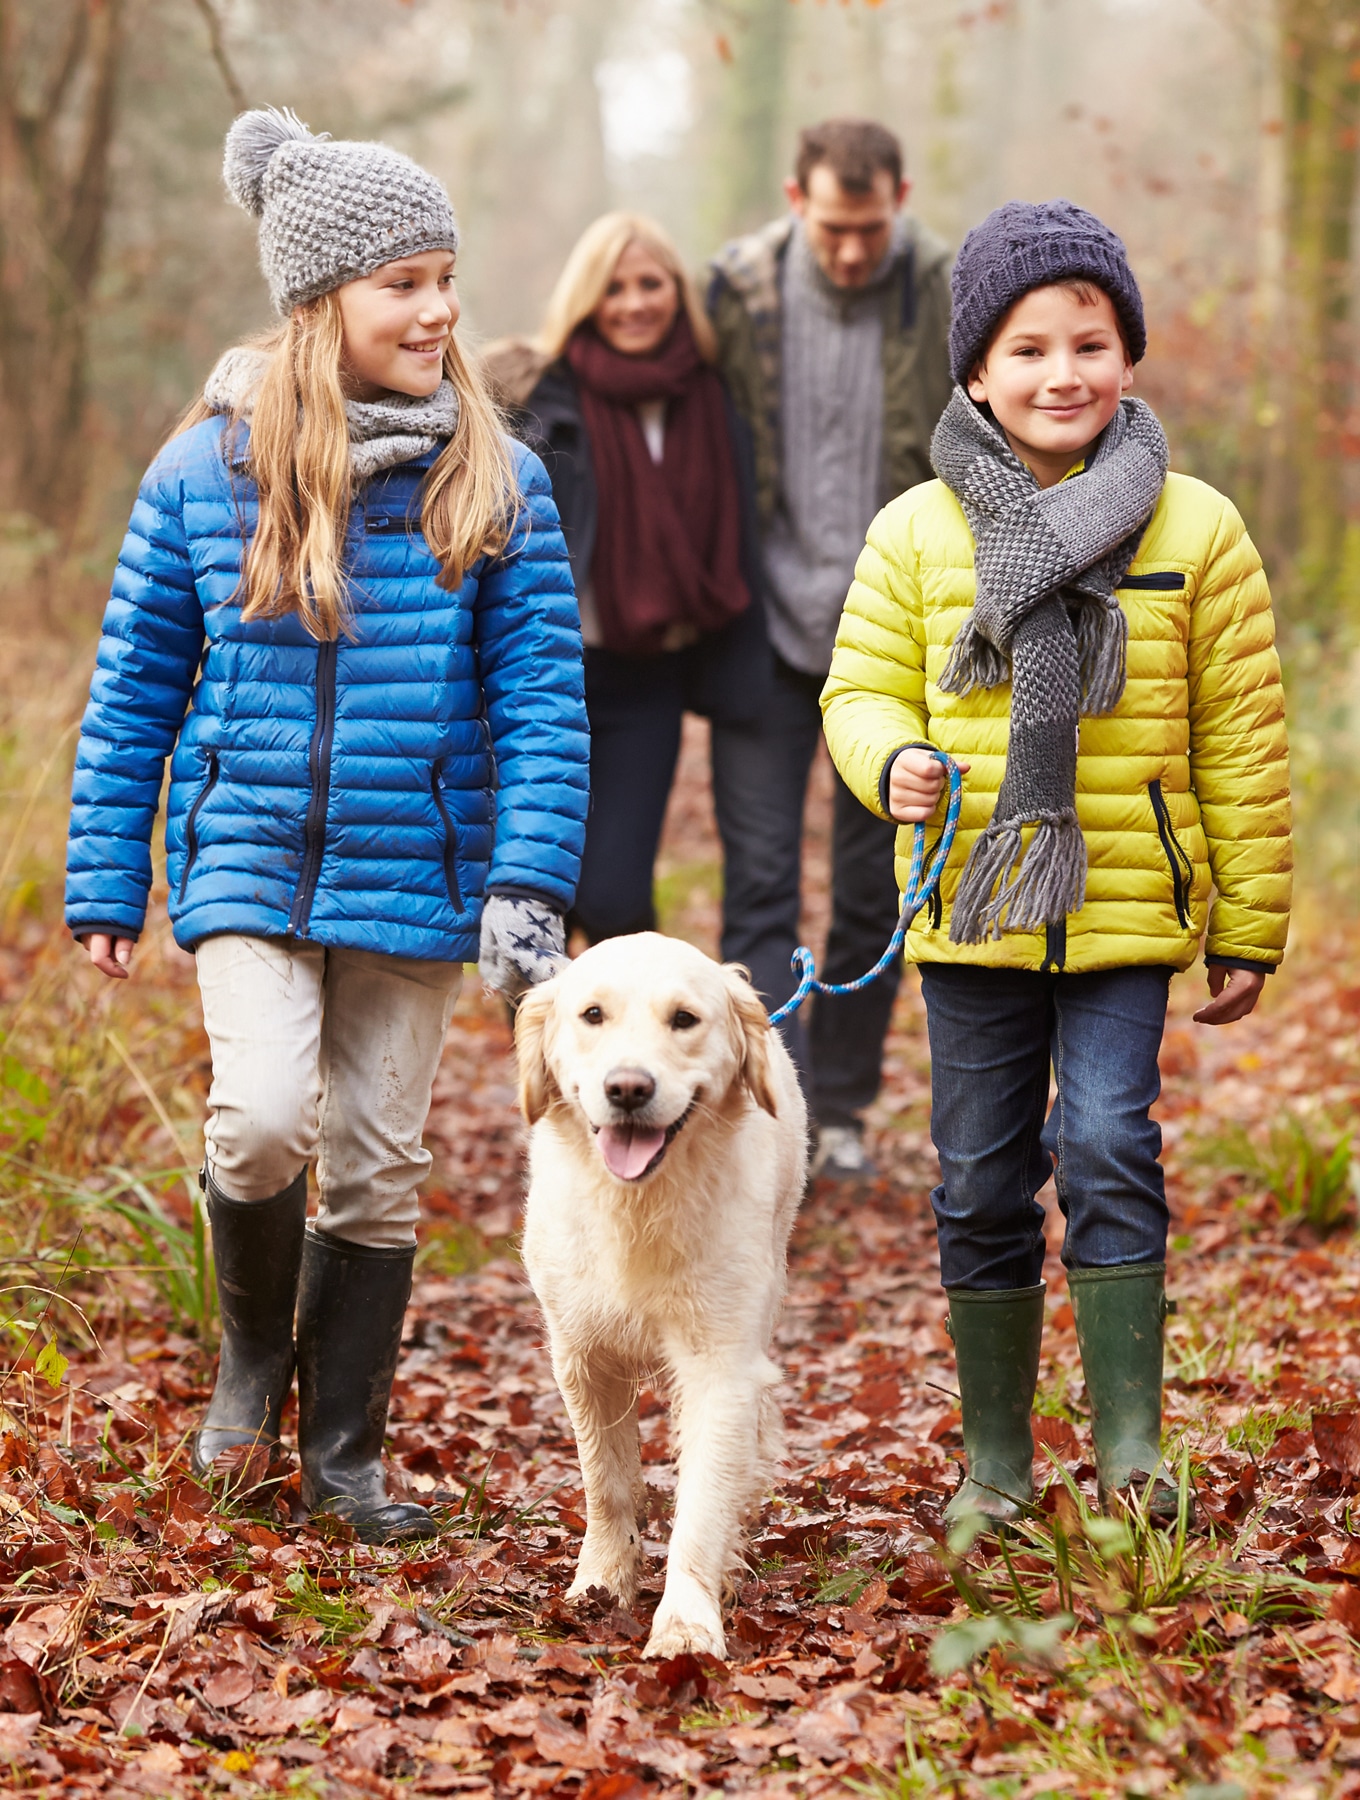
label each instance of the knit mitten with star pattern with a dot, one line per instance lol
(523, 942)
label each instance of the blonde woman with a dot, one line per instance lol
(344, 611)
(650, 471)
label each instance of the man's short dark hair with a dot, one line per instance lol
(855, 150)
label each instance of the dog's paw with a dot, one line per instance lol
(672, 1636)
(617, 1579)
(596, 1591)
(689, 1618)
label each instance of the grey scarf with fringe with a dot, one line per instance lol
(1046, 619)
(382, 433)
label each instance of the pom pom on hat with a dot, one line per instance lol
(251, 143)
(330, 211)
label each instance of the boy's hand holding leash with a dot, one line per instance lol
(915, 785)
(914, 788)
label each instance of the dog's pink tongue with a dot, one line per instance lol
(627, 1149)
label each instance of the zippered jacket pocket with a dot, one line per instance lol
(191, 823)
(450, 837)
(1182, 869)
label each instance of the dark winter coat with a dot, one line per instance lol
(728, 671)
(744, 305)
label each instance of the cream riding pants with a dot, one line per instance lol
(328, 1054)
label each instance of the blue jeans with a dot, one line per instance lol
(993, 1035)
(760, 779)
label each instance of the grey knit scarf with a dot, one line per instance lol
(382, 432)
(1046, 619)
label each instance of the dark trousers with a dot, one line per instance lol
(760, 778)
(994, 1034)
(635, 705)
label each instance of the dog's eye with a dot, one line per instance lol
(593, 1015)
(683, 1021)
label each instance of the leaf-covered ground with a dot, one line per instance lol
(157, 1639)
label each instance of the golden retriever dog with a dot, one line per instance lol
(666, 1162)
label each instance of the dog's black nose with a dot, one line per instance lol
(629, 1088)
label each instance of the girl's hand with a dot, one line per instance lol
(1235, 992)
(110, 955)
(914, 786)
(523, 942)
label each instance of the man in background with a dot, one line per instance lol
(833, 328)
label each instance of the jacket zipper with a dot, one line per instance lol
(191, 823)
(450, 837)
(1182, 869)
(319, 768)
(934, 904)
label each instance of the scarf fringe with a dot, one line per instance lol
(1102, 649)
(1103, 652)
(1048, 884)
(974, 662)
(993, 856)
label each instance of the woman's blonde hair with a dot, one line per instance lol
(300, 464)
(590, 268)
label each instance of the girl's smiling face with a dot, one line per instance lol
(1054, 376)
(397, 322)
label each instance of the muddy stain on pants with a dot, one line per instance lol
(329, 1054)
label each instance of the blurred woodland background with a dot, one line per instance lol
(1218, 136)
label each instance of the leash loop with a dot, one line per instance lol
(921, 884)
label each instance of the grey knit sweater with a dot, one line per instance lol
(831, 409)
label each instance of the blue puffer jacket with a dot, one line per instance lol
(364, 793)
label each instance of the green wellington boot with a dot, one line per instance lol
(1120, 1313)
(996, 1351)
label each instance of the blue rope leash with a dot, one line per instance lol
(919, 890)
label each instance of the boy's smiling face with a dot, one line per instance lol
(1054, 375)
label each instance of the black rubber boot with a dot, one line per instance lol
(996, 1335)
(351, 1303)
(1120, 1314)
(257, 1249)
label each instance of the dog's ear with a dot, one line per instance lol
(538, 1088)
(753, 1028)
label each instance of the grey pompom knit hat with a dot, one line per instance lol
(329, 211)
(1022, 246)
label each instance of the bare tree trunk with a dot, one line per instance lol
(59, 62)
(532, 152)
(754, 43)
(1320, 59)
(1266, 498)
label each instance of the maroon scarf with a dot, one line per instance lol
(667, 546)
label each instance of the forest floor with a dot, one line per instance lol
(159, 1639)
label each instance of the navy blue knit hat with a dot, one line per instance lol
(1022, 246)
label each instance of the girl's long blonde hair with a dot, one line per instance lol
(590, 268)
(300, 464)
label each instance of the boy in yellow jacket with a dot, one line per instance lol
(1091, 639)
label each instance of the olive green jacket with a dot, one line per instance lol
(744, 305)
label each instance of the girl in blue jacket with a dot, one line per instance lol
(344, 610)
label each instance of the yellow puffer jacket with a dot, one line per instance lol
(1184, 787)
